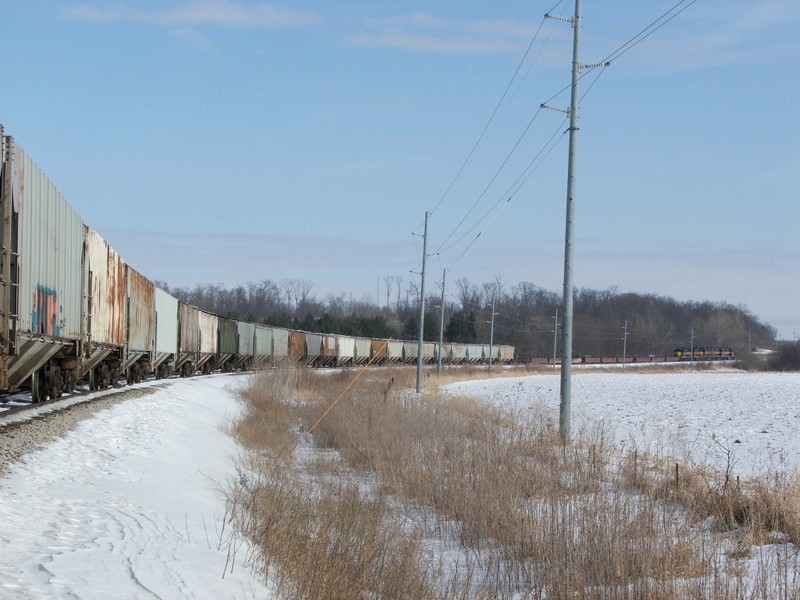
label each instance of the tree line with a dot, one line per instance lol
(525, 316)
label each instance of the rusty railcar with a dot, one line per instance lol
(297, 346)
(140, 319)
(380, 351)
(330, 349)
(104, 310)
(188, 339)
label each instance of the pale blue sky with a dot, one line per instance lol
(226, 141)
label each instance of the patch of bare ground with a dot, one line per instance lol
(348, 482)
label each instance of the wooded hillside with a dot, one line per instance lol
(524, 316)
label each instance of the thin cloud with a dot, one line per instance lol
(741, 35)
(205, 12)
(421, 31)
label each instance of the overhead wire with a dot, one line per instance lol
(507, 197)
(518, 183)
(497, 107)
(646, 32)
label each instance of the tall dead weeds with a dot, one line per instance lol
(538, 517)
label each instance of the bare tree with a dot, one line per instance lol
(398, 280)
(467, 293)
(302, 291)
(388, 280)
(289, 287)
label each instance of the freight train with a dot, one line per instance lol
(73, 310)
(704, 354)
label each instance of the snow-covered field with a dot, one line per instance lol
(128, 504)
(709, 417)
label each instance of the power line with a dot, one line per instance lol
(496, 108)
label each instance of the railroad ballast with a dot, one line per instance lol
(73, 310)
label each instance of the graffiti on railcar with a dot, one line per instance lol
(44, 319)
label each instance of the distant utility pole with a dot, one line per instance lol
(491, 336)
(441, 327)
(566, 332)
(624, 343)
(422, 305)
(691, 347)
(555, 339)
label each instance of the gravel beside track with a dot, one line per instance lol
(21, 437)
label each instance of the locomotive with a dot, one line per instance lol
(72, 310)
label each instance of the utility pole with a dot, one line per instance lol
(691, 348)
(555, 339)
(441, 327)
(566, 332)
(624, 342)
(491, 336)
(422, 305)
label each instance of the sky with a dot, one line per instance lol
(228, 141)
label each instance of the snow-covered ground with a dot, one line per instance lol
(128, 505)
(709, 417)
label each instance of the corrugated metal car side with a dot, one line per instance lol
(474, 352)
(458, 352)
(410, 352)
(227, 336)
(297, 345)
(280, 343)
(329, 346)
(429, 351)
(246, 341)
(363, 350)
(380, 349)
(106, 302)
(166, 322)
(346, 350)
(264, 341)
(506, 353)
(313, 345)
(395, 351)
(208, 332)
(189, 328)
(50, 253)
(141, 312)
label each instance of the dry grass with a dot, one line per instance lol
(532, 516)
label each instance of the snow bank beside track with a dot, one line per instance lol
(128, 504)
